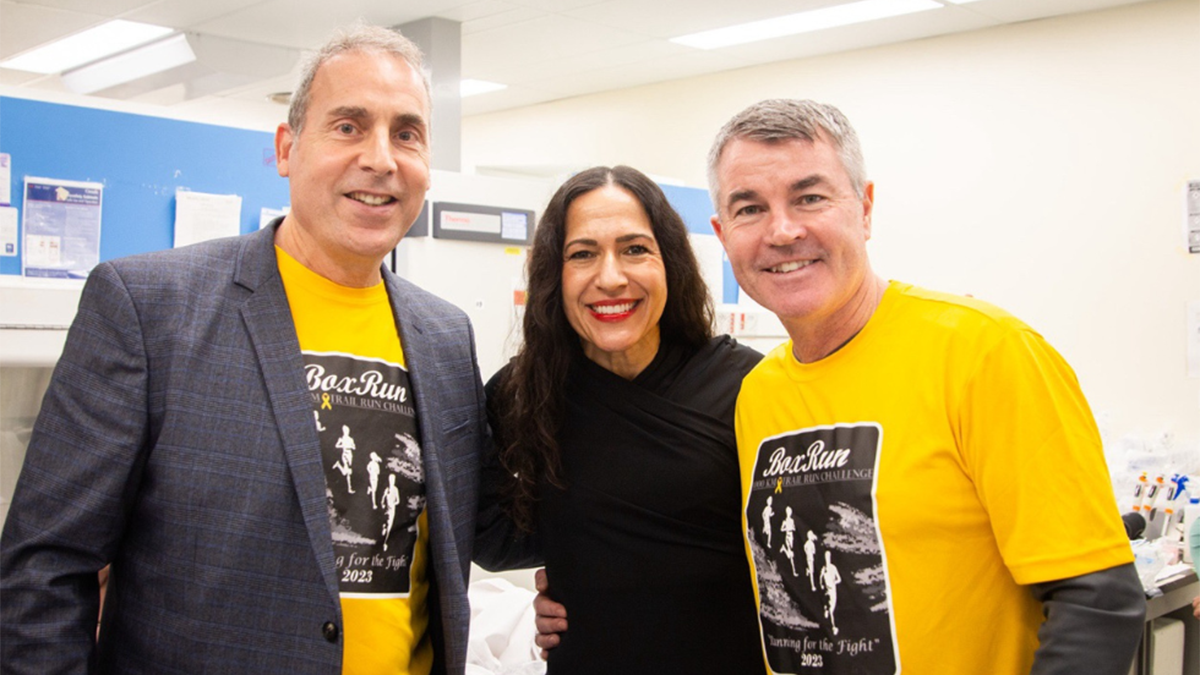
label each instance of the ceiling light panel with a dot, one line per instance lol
(475, 87)
(92, 44)
(131, 65)
(805, 22)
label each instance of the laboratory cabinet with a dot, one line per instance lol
(1174, 603)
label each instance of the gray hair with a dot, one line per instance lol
(782, 119)
(358, 37)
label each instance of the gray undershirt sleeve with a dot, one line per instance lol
(1093, 623)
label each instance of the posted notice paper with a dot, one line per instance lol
(200, 216)
(62, 228)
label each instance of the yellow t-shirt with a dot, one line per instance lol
(900, 492)
(366, 421)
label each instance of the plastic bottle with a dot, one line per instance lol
(1191, 526)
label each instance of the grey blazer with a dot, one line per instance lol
(177, 442)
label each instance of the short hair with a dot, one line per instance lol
(358, 37)
(781, 119)
(530, 406)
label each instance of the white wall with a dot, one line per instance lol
(478, 277)
(1039, 166)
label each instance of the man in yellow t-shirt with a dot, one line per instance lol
(937, 451)
(360, 125)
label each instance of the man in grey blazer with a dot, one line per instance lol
(253, 483)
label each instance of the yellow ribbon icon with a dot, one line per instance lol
(325, 404)
(778, 483)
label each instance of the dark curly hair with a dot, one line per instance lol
(529, 404)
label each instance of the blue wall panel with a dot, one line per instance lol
(696, 208)
(140, 160)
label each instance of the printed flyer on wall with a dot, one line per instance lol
(5, 179)
(62, 228)
(8, 232)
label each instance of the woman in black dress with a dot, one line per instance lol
(616, 454)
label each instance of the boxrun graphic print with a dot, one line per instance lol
(816, 552)
(374, 475)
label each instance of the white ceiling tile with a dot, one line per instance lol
(188, 14)
(307, 23)
(500, 20)
(564, 85)
(481, 9)
(1008, 11)
(555, 5)
(413, 11)
(646, 53)
(672, 18)
(632, 75)
(26, 26)
(595, 81)
(99, 7)
(548, 38)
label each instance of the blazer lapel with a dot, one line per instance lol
(268, 319)
(421, 362)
